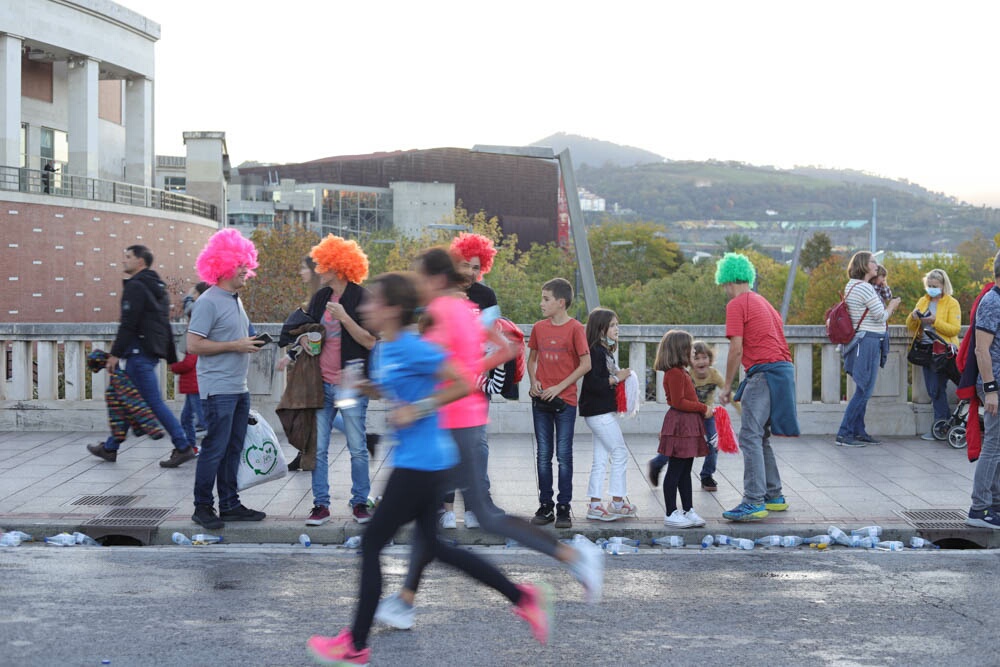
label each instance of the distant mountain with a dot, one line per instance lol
(597, 153)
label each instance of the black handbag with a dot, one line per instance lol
(555, 406)
(920, 353)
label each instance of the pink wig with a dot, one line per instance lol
(475, 245)
(343, 257)
(223, 255)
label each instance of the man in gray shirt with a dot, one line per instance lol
(985, 510)
(219, 333)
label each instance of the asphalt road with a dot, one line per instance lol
(257, 605)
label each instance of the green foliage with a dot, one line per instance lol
(628, 252)
(978, 253)
(906, 278)
(278, 289)
(736, 243)
(823, 289)
(815, 251)
(689, 295)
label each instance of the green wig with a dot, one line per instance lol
(734, 268)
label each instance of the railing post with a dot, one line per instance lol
(21, 381)
(830, 374)
(48, 367)
(73, 371)
(803, 359)
(637, 362)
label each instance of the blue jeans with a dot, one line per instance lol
(191, 415)
(708, 467)
(760, 469)
(563, 424)
(141, 369)
(862, 364)
(937, 389)
(986, 481)
(219, 460)
(354, 429)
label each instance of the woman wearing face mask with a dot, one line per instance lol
(940, 312)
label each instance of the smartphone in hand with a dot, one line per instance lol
(264, 338)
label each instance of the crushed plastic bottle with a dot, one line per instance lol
(353, 542)
(181, 539)
(890, 545)
(618, 549)
(85, 540)
(202, 539)
(61, 540)
(723, 540)
(707, 541)
(768, 541)
(791, 541)
(868, 531)
(839, 536)
(627, 541)
(514, 544)
(669, 541)
(743, 543)
(9, 540)
(922, 543)
(304, 540)
(866, 542)
(818, 539)
(24, 537)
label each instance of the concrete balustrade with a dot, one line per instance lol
(47, 385)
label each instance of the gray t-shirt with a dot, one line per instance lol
(218, 315)
(988, 320)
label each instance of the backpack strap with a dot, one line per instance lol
(857, 328)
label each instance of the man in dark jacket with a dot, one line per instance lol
(144, 337)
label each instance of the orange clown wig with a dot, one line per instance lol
(226, 251)
(468, 245)
(343, 257)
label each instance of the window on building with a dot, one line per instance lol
(175, 184)
(53, 145)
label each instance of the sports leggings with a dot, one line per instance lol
(678, 478)
(414, 495)
(491, 518)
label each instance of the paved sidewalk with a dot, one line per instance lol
(42, 473)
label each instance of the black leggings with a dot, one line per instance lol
(678, 478)
(414, 495)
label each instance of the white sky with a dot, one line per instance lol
(902, 89)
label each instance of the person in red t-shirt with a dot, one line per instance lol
(756, 339)
(559, 357)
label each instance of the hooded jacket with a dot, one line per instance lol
(145, 318)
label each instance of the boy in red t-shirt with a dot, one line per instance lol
(559, 356)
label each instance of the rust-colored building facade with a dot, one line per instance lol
(521, 192)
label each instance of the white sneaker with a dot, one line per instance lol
(392, 611)
(692, 516)
(588, 568)
(447, 520)
(470, 520)
(598, 513)
(626, 511)
(677, 520)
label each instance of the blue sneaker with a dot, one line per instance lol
(983, 519)
(746, 512)
(776, 504)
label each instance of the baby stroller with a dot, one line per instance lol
(953, 428)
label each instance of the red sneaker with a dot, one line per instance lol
(536, 608)
(318, 516)
(361, 513)
(338, 650)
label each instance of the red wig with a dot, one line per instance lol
(343, 257)
(226, 251)
(468, 245)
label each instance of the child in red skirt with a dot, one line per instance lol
(682, 436)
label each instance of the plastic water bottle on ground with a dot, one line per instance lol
(304, 540)
(818, 539)
(839, 536)
(181, 539)
(617, 549)
(9, 540)
(513, 544)
(202, 538)
(61, 540)
(24, 537)
(707, 541)
(768, 541)
(922, 543)
(85, 540)
(630, 542)
(353, 542)
(669, 541)
(868, 531)
(791, 541)
(743, 543)
(723, 540)
(891, 545)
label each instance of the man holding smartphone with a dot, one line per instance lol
(219, 333)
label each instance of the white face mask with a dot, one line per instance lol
(933, 292)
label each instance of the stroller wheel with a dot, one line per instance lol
(956, 437)
(940, 429)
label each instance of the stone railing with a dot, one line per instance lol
(47, 386)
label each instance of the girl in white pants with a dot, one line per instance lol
(599, 408)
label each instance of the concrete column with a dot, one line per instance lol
(139, 132)
(803, 356)
(48, 369)
(10, 100)
(83, 134)
(831, 365)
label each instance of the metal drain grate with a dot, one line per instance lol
(116, 501)
(137, 522)
(935, 519)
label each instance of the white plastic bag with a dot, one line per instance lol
(262, 459)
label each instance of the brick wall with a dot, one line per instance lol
(63, 263)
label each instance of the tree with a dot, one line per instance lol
(823, 289)
(627, 252)
(978, 252)
(278, 289)
(736, 243)
(816, 250)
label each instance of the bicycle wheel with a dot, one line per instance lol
(956, 437)
(940, 429)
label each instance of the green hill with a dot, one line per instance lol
(597, 153)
